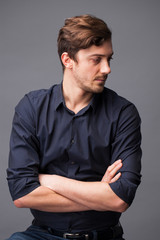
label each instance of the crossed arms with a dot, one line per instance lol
(60, 194)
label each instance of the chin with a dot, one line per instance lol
(99, 89)
(95, 89)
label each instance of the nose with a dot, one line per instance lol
(105, 67)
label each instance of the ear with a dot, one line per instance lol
(66, 60)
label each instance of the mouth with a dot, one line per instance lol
(100, 79)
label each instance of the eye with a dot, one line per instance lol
(96, 60)
(109, 59)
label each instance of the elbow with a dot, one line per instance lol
(121, 206)
(19, 203)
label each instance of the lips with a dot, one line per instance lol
(101, 79)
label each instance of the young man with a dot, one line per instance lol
(75, 148)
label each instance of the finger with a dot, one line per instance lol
(109, 175)
(115, 169)
(111, 167)
(112, 171)
(117, 176)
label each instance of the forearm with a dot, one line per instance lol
(94, 195)
(45, 199)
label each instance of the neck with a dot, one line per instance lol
(75, 98)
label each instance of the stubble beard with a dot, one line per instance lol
(94, 89)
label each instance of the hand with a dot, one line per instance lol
(111, 174)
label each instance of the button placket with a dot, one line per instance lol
(72, 141)
(72, 132)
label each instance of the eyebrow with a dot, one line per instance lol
(100, 55)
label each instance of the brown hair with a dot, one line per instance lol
(81, 32)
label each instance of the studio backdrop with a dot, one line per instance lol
(29, 61)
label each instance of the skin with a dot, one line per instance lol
(87, 75)
(82, 78)
(94, 195)
(71, 195)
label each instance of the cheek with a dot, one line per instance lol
(92, 72)
(86, 72)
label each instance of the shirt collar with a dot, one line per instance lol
(95, 100)
(59, 96)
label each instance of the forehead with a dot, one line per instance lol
(105, 50)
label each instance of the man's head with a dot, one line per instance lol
(81, 32)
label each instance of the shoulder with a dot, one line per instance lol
(35, 104)
(34, 100)
(119, 105)
(112, 97)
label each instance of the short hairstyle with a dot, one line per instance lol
(81, 32)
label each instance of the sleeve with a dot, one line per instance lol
(22, 172)
(127, 146)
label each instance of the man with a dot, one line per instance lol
(75, 148)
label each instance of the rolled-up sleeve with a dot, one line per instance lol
(22, 172)
(127, 146)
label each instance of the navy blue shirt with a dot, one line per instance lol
(49, 138)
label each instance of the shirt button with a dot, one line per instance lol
(72, 141)
(72, 162)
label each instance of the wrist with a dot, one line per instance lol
(47, 180)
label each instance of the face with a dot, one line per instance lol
(92, 67)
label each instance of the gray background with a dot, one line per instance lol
(28, 60)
